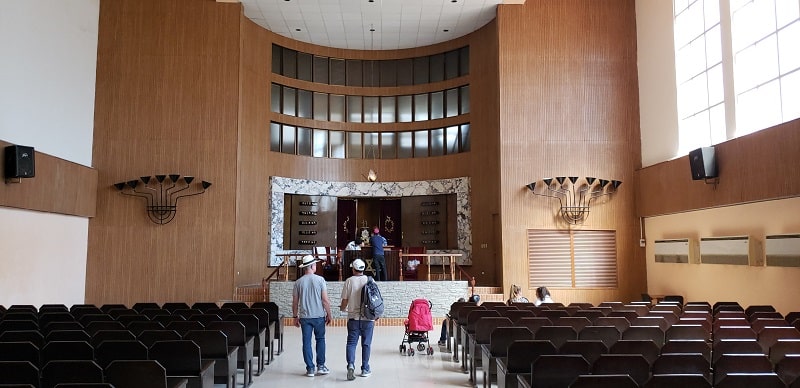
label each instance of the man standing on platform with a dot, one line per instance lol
(311, 310)
(378, 260)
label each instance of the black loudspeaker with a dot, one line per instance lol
(19, 162)
(703, 163)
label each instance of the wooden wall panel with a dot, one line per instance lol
(59, 186)
(166, 102)
(568, 107)
(757, 167)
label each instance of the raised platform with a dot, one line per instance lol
(397, 297)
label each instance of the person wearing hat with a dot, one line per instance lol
(311, 310)
(357, 326)
(378, 260)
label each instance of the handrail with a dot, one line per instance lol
(471, 279)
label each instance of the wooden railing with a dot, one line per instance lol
(471, 279)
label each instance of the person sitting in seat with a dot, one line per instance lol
(542, 296)
(515, 295)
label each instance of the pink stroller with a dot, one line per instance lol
(418, 324)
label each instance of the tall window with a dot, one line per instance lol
(737, 67)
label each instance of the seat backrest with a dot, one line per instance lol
(203, 306)
(485, 326)
(769, 335)
(557, 370)
(577, 323)
(589, 349)
(748, 380)
(182, 327)
(604, 381)
(557, 335)
(653, 333)
(759, 308)
(68, 335)
(264, 319)
(591, 315)
(70, 371)
(108, 335)
(93, 327)
(609, 335)
(150, 337)
(687, 332)
(516, 314)
(634, 365)
(681, 380)
(212, 343)
(136, 374)
(235, 306)
(66, 350)
(145, 305)
(32, 336)
(19, 372)
(475, 315)
(621, 323)
(172, 306)
(740, 363)
(645, 348)
(522, 353)
(137, 327)
(736, 346)
(683, 363)
(502, 337)
(759, 324)
(109, 351)
(19, 351)
(533, 323)
(688, 346)
(781, 348)
(788, 369)
(235, 331)
(179, 358)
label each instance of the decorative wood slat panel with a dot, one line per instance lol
(595, 258)
(577, 258)
(549, 258)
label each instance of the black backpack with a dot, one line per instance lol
(371, 300)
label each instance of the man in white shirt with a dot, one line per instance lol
(357, 325)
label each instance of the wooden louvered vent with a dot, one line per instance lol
(572, 258)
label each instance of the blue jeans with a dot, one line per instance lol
(317, 326)
(379, 262)
(355, 329)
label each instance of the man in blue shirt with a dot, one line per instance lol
(378, 260)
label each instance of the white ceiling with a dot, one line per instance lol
(398, 24)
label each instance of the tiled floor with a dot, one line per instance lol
(390, 369)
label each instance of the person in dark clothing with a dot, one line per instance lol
(378, 260)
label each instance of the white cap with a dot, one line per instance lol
(358, 265)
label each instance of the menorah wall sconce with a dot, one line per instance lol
(162, 193)
(574, 194)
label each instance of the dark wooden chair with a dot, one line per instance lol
(735, 346)
(749, 380)
(235, 306)
(111, 335)
(137, 327)
(214, 346)
(604, 381)
(205, 318)
(53, 307)
(111, 306)
(68, 335)
(788, 369)
(777, 351)
(276, 321)
(769, 335)
(557, 335)
(20, 351)
(688, 346)
(66, 350)
(687, 332)
(482, 338)
(589, 349)
(182, 359)
(740, 363)
(32, 336)
(235, 331)
(759, 324)
(557, 370)
(150, 337)
(621, 323)
(183, 327)
(591, 315)
(577, 323)
(57, 316)
(186, 313)
(683, 363)
(521, 354)
(93, 327)
(141, 374)
(651, 320)
(19, 372)
(60, 325)
(759, 308)
(265, 327)
(204, 306)
(140, 306)
(17, 324)
(70, 371)
(469, 334)
(173, 306)
(652, 333)
(499, 341)
(86, 319)
(112, 350)
(252, 329)
(634, 365)
(533, 323)
(644, 348)
(609, 335)
(677, 380)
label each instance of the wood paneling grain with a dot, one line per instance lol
(59, 186)
(752, 168)
(568, 101)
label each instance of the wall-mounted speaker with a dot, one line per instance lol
(703, 163)
(19, 162)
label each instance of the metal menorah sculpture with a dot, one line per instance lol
(574, 194)
(162, 193)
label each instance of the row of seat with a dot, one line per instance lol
(105, 334)
(472, 323)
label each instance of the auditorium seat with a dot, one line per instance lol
(112, 350)
(634, 365)
(181, 359)
(604, 381)
(683, 364)
(740, 363)
(589, 349)
(609, 335)
(558, 370)
(749, 380)
(19, 372)
(645, 348)
(214, 346)
(141, 373)
(70, 371)
(677, 380)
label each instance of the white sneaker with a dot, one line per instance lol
(365, 373)
(351, 373)
(310, 372)
(323, 370)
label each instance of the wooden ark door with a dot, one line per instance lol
(346, 225)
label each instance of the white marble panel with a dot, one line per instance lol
(279, 186)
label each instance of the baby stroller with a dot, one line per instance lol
(418, 324)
